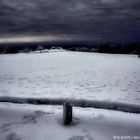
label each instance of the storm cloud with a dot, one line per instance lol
(78, 19)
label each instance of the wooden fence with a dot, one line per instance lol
(69, 103)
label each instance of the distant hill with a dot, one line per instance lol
(106, 47)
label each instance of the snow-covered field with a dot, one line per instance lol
(79, 75)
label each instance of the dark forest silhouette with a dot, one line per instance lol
(106, 47)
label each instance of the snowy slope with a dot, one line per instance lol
(71, 75)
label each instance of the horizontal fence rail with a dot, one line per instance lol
(118, 106)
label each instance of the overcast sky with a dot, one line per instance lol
(99, 20)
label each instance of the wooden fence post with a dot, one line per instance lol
(67, 113)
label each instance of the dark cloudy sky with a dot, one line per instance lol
(26, 20)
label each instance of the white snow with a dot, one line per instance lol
(67, 74)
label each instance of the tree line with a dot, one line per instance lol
(106, 47)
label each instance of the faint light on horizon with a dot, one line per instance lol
(36, 39)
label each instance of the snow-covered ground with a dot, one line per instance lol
(79, 75)
(71, 74)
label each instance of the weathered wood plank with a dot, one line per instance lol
(67, 113)
(118, 106)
